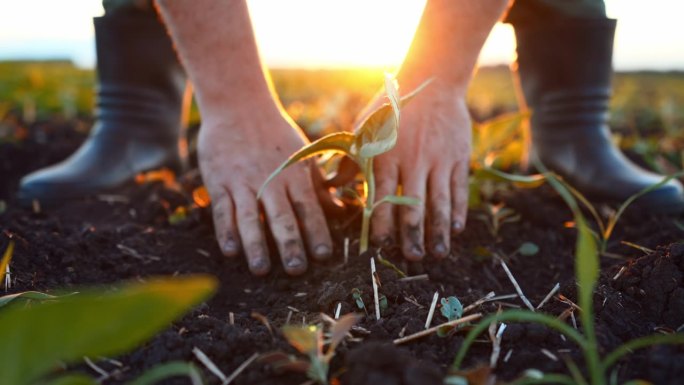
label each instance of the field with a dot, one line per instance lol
(157, 226)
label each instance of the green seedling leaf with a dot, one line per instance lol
(522, 181)
(339, 142)
(528, 249)
(398, 200)
(306, 339)
(382, 301)
(356, 294)
(392, 266)
(93, 323)
(168, 370)
(6, 258)
(27, 295)
(378, 133)
(452, 308)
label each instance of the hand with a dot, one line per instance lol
(430, 162)
(237, 152)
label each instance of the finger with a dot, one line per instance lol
(439, 212)
(252, 232)
(383, 229)
(312, 220)
(223, 212)
(283, 225)
(459, 194)
(411, 218)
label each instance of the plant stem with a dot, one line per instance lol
(368, 205)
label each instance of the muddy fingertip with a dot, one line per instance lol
(322, 252)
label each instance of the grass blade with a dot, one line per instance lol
(516, 316)
(168, 370)
(640, 343)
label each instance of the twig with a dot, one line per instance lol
(262, 318)
(346, 250)
(517, 287)
(103, 373)
(209, 364)
(240, 369)
(548, 296)
(375, 290)
(289, 317)
(431, 313)
(433, 329)
(619, 273)
(337, 311)
(508, 355)
(549, 354)
(420, 277)
(478, 302)
(496, 346)
(231, 318)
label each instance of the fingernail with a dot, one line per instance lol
(322, 252)
(457, 226)
(230, 247)
(440, 249)
(259, 265)
(417, 251)
(294, 263)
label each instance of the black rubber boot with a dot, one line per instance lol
(139, 102)
(565, 71)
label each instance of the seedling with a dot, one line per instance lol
(376, 135)
(451, 309)
(495, 216)
(606, 227)
(587, 273)
(308, 340)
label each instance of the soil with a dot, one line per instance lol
(126, 235)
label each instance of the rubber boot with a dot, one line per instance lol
(565, 71)
(139, 102)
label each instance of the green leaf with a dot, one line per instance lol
(93, 323)
(356, 294)
(168, 370)
(398, 200)
(451, 308)
(528, 249)
(522, 181)
(378, 133)
(640, 343)
(516, 316)
(586, 264)
(27, 295)
(339, 142)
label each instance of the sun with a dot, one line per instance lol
(352, 33)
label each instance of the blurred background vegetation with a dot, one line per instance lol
(647, 109)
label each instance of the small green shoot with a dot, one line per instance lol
(528, 249)
(308, 340)
(376, 135)
(451, 308)
(495, 216)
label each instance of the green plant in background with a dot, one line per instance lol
(93, 323)
(607, 227)
(376, 135)
(308, 340)
(587, 274)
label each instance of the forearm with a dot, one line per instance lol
(216, 43)
(448, 41)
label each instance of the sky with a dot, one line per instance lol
(336, 33)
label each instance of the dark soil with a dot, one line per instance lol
(106, 239)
